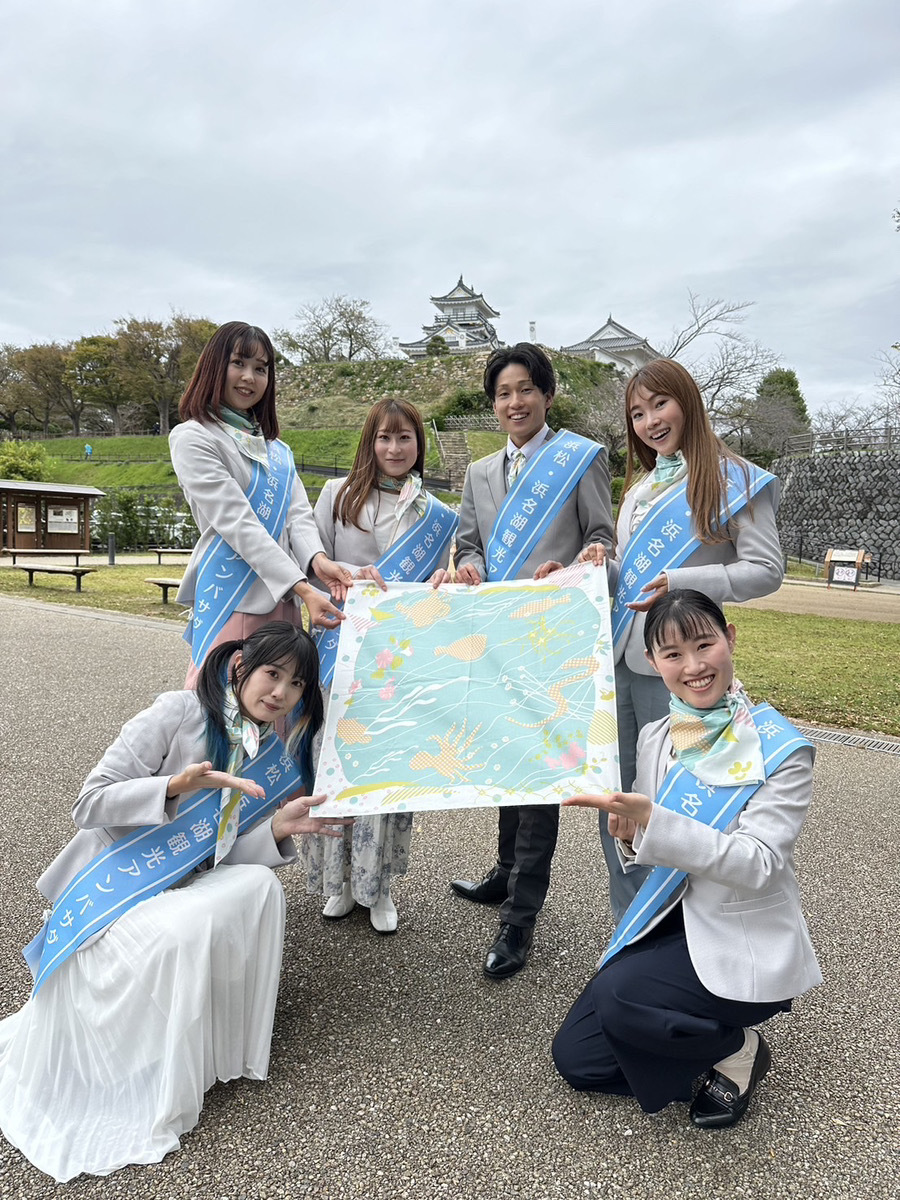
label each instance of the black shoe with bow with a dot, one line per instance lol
(718, 1104)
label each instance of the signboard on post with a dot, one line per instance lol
(842, 567)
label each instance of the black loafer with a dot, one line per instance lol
(490, 890)
(718, 1104)
(509, 953)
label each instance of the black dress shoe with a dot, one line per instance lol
(491, 890)
(509, 953)
(718, 1105)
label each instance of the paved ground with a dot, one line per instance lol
(881, 603)
(397, 1070)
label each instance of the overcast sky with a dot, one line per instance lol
(570, 158)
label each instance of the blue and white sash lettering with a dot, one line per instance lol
(152, 858)
(664, 539)
(410, 560)
(223, 578)
(535, 499)
(713, 806)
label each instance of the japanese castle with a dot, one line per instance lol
(613, 343)
(464, 324)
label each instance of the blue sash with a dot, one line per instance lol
(411, 560)
(223, 578)
(664, 539)
(535, 500)
(150, 859)
(713, 806)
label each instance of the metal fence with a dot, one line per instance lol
(884, 438)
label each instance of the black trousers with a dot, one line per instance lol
(527, 839)
(645, 1026)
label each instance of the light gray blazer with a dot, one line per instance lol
(746, 567)
(745, 930)
(352, 547)
(213, 475)
(586, 516)
(127, 789)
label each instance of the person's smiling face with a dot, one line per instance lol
(698, 670)
(396, 450)
(520, 406)
(246, 380)
(658, 420)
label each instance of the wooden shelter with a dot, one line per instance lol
(45, 516)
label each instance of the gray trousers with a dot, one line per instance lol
(640, 699)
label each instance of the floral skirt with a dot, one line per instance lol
(371, 852)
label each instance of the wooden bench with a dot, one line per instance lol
(159, 551)
(15, 550)
(78, 572)
(165, 584)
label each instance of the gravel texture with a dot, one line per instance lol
(397, 1069)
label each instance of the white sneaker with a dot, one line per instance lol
(383, 915)
(339, 906)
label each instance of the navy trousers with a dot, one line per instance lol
(526, 842)
(645, 1026)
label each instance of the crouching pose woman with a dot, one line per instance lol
(714, 942)
(157, 970)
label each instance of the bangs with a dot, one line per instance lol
(251, 344)
(395, 418)
(685, 626)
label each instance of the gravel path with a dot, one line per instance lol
(865, 604)
(397, 1070)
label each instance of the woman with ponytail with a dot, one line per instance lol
(157, 968)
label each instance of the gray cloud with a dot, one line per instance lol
(569, 159)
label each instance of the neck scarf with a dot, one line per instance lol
(669, 470)
(411, 492)
(245, 434)
(244, 737)
(719, 745)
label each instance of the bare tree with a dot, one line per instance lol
(708, 318)
(728, 377)
(334, 329)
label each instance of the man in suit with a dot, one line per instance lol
(520, 383)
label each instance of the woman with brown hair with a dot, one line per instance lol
(380, 523)
(258, 539)
(694, 514)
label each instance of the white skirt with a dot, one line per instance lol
(108, 1064)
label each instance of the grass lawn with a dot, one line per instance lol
(821, 669)
(815, 669)
(119, 588)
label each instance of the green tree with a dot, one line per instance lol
(44, 370)
(22, 460)
(155, 357)
(14, 392)
(777, 411)
(96, 376)
(437, 346)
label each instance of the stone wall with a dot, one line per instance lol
(849, 501)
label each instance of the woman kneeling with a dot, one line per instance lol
(715, 941)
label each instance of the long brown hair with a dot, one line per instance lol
(203, 395)
(702, 448)
(391, 415)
